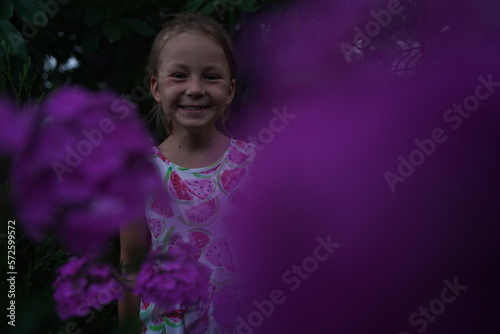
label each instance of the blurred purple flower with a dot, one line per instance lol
(82, 284)
(84, 170)
(173, 279)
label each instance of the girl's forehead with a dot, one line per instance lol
(193, 46)
(190, 37)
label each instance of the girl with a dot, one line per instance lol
(192, 67)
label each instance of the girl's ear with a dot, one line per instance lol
(155, 88)
(232, 91)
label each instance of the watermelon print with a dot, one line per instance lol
(195, 214)
(174, 240)
(219, 254)
(177, 189)
(145, 305)
(198, 239)
(237, 157)
(231, 178)
(161, 208)
(175, 316)
(156, 227)
(202, 307)
(201, 188)
(210, 171)
(201, 213)
(158, 320)
(241, 143)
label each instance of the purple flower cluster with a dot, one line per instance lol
(175, 278)
(81, 169)
(83, 284)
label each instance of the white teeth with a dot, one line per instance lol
(193, 108)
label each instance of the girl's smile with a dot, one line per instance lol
(194, 109)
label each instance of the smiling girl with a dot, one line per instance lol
(192, 68)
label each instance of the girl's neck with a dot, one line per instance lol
(194, 141)
(194, 149)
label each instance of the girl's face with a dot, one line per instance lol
(194, 84)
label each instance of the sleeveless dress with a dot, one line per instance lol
(199, 200)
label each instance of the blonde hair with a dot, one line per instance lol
(177, 24)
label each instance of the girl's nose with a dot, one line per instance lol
(195, 87)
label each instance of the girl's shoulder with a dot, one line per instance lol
(154, 152)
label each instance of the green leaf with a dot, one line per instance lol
(111, 30)
(138, 26)
(13, 39)
(6, 9)
(92, 17)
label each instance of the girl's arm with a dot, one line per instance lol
(134, 247)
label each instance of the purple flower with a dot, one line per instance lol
(84, 170)
(173, 279)
(83, 284)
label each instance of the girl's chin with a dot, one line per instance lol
(194, 122)
(195, 125)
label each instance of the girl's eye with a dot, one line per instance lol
(178, 75)
(212, 77)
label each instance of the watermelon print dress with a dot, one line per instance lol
(198, 197)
